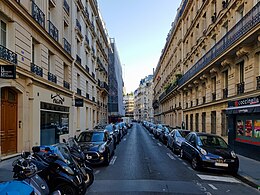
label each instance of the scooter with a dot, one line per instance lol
(58, 169)
(78, 155)
(25, 170)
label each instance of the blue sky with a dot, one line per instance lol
(140, 28)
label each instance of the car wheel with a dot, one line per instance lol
(182, 154)
(107, 160)
(89, 178)
(195, 163)
(234, 171)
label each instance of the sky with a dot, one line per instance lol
(140, 29)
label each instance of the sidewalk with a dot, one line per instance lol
(249, 171)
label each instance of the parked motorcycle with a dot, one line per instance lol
(59, 169)
(78, 155)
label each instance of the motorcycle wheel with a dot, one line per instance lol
(67, 189)
(89, 179)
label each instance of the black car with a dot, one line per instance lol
(175, 138)
(97, 145)
(163, 134)
(209, 151)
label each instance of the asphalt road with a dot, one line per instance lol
(143, 165)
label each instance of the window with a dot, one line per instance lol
(197, 122)
(241, 71)
(78, 81)
(187, 120)
(51, 62)
(213, 122)
(191, 122)
(2, 33)
(203, 121)
(65, 72)
(224, 127)
(36, 59)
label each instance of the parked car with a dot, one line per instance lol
(209, 151)
(97, 145)
(157, 130)
(114, 133)
(163, 134)
(175, 138)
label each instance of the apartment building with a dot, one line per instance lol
(207, 78)
(57, 52)
(116, 84)
(128, 101)
(143, 100)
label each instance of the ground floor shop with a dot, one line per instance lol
(244, 126)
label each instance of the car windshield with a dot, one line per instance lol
(91, 137)
(211, 141)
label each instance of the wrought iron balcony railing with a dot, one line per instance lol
(78, 59)
(93, 99)
(66, 6)
(240, 88)
(53, 31)
(104, 85)
(87, 96)
(225, 93)
(258, 82)
(66, 84)
(67, 46)
(78, 91)
(38, 15)
(249, 21)
(52, 77)
(78, 25)
(8, 55)
(36, 70)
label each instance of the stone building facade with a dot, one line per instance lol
(207, 78)
(59, 50)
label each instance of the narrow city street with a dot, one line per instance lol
(143, 165)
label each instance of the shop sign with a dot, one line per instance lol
(244, 102)
(57, 99)
(8, 71)
(78, 102)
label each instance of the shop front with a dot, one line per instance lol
(54, 115)
(244, 126)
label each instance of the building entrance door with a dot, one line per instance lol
(8, 130)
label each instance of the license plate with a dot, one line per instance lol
(221, 164)
(88, 157)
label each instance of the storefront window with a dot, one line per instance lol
(54, 123)
(257, 129)
(248, 128)
(240, 128)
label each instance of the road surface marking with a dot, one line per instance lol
(124, 139)
(96, 172)
(171, 156)
(190, 168)
(212, 186)
(218, 178)
(159, 144)
(113, 160)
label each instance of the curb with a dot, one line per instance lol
(248, 180)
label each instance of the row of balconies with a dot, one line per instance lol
(8, 55)
(251, 19)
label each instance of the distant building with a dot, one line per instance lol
(143, 98)
(129, 105)
(115, 82)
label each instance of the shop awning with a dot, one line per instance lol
(243, 109)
